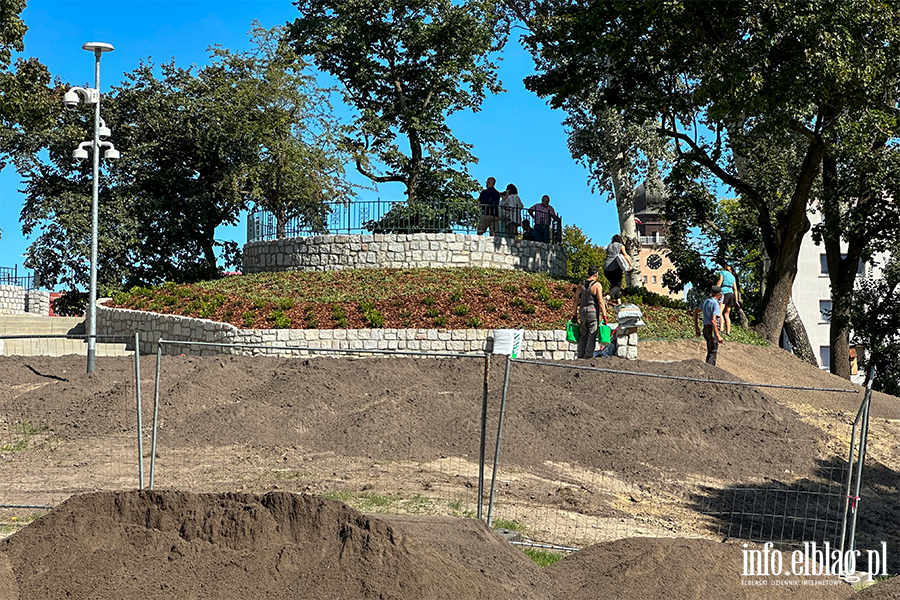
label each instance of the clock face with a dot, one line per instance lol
(654, 261)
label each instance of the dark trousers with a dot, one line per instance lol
(712, 343)
(588, 337)
(615, 281)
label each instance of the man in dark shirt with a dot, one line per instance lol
(489, 201)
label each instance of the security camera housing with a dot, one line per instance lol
(71, 100)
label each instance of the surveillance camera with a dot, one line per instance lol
(71, 99)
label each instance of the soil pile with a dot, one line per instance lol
(471, 543)
(885, 590)
(676, 569)
(230, 546)
(390, 408)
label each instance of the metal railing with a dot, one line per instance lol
(393, 216)
(651, 240)
(10, 276)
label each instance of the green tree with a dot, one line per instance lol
(740, 71)
(581, 253)
(12, 30)
(861, 180)
(616, 154)
(405, 66)
(299, 166)
(875, 319)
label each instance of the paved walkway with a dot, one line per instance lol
(33, 326)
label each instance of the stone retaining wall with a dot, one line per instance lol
(152, 326)
(37, 302)
(15, 300)
(12, 300)
(402, 251)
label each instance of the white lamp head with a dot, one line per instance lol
(111, 153)
(79, 153)
(97, 47)
(104, 131)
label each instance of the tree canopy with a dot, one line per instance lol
(720, 77)
(405, 66)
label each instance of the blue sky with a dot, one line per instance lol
(516, 136)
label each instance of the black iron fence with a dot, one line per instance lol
(10, 276)
(395, 216)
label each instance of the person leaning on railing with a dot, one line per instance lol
(543, 215)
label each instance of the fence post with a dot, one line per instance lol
(155, 413)
(140, 426)
(484, 401)
(499, 435)
(863, 438)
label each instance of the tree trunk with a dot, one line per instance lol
(796, 332)
(623, 188)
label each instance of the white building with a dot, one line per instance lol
(812, 294)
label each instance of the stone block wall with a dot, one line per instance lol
(402, 251)
(12, 300)
(37, 302)
(152, 326)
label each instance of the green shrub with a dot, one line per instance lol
(456, 296)
(376, 319)
(428, 300)
(544, 295)
(510, 288)
(529, 309)
(432, 312)
(279, 320)
(249, 318)
(460, 310)
(517, 301)
(284, 303)
(441, 321)
(474, 321)
(640, 295)
(504, 316)
(556, 303)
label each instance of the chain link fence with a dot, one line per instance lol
(51, 447)
(552, 485)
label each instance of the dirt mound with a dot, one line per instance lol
(675, 569)
(471, 543)
(885, 590)
(182, 545)
(389, 408)
(774, 365)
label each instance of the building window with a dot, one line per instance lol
(825, 357)
(645, 279)
(823, 265)
(825, 311)
(654, 279)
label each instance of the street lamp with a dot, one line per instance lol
(71, 100)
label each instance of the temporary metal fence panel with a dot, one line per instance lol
(570, 504)
(63, 431)
(326, 441)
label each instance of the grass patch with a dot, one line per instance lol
(507, 524)
(543, 558)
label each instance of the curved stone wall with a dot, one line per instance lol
(401, 251)
(154, 326)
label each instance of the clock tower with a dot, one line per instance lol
(651, 229)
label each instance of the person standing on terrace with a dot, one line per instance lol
(490, 202)
(543, 215)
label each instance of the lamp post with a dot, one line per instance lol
(71, 99)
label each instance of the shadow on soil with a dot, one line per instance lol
(809, 509)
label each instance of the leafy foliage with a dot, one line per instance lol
(405, 66)
(581, 253)
(875, 319)
(780, 73)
